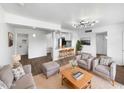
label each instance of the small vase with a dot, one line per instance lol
(74, 70)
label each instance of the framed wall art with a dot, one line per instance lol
(10, 39)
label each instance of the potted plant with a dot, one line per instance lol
(73, 63)
(78, 47)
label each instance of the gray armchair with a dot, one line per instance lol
(104, 66)
(84, 60)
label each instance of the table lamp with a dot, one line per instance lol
(16, 59)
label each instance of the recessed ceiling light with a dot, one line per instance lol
(34, 35)
(106, 37)
(97, 21)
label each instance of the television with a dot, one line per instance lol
(63, 41)
(85, 42)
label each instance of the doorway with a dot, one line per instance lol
(101, 44)
(49, 45)
(22, 44)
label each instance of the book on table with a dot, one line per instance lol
(77, 75)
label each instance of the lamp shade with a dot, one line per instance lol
(16, 57)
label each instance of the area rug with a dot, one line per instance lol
(54, 82)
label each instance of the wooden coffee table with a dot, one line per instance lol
(83, 83)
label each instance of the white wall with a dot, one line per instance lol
(75, 37)
(19, 20)
(114, 41)
(28, 22)
(55, 54)
(5, 51)
(101, 44)
(37, 45)
(49, 40)
(22, 44)
(92, 47)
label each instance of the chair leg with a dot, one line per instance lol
(113, 82)
(46, 77)
(58, 71)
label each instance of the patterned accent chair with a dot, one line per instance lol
(104, 66)
(84, 60)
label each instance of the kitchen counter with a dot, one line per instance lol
(66, 48)
(66, 52)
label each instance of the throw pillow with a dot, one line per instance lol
(84, 56)
(105, 60)
(3, 85)
(18, 72)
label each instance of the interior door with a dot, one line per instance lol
(101, 43)
(22, 44)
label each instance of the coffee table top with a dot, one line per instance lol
(67, 73)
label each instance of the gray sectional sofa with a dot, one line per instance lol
(25, 82)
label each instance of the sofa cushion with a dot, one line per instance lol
(84, 62)
(50, 66)
(103, 69)
(27, 69)
(104, 60)
(24, 82)
(3, 85)
(18, 72)
(85, 56)
(6, 75)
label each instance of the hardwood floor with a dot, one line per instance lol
(37, 62)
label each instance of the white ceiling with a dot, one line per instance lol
(67, 13)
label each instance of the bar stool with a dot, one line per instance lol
(60, 53)
(72, 52)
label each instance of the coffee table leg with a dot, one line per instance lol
(90, 84)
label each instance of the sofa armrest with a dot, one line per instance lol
(113, 70)
(0, 67)
(78, 57)
(27, 69)
(89, 60)
(95, 63)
